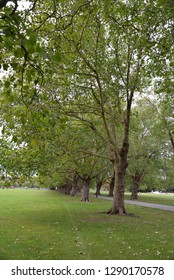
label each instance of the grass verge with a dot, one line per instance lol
(159, 198)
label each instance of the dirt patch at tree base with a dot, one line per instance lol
(105, 218)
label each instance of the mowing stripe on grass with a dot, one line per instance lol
(80, 242)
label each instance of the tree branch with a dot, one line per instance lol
(3, 3)
(15, 8)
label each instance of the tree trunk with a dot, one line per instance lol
(118, 198)
(111, 186)
(73, 190)
(74, 186)
(85, 190)
(120, 165)
(136, 179)
(67, 189)
(98, 188)
(171, 138)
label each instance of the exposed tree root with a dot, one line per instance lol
(124, 214)
(116, 212)
(85, 199)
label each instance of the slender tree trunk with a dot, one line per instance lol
(136, 179)
(98, 188)
(171, 138)
(74, 186)
(111, 186)
(73, 190)
(85, 190)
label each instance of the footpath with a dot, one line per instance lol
(144, 204)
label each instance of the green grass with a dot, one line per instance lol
(38, 225)
(162, 198)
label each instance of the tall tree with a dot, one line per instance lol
(89, 58)
(110, 52)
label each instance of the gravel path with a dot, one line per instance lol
(145, 204)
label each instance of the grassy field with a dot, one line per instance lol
(39, 225)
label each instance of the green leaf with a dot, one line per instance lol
(38, 48)
(5, 66)
(23, 119)
(3, 129)
(57, 57)
(32, 39)
(18, 53)
(15, 138)
(7, 84)
(30, 74)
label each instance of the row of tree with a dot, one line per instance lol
(86, 92)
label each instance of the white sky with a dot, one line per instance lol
(22, 4)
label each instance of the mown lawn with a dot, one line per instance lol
(39, 224)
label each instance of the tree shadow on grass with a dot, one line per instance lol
(103, 217)
(117, 215)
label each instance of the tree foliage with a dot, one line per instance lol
(70, 82)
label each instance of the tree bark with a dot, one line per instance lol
(111, 186)
(73, 191)
(67, 189)
(118, 206)
(120, 164)
(171, 138)
(85, 190)
(98, 188)
(136, 179)
(74, 186)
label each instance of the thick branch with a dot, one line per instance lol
(171, 138)
(15, 8)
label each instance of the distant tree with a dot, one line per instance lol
(150, 151)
